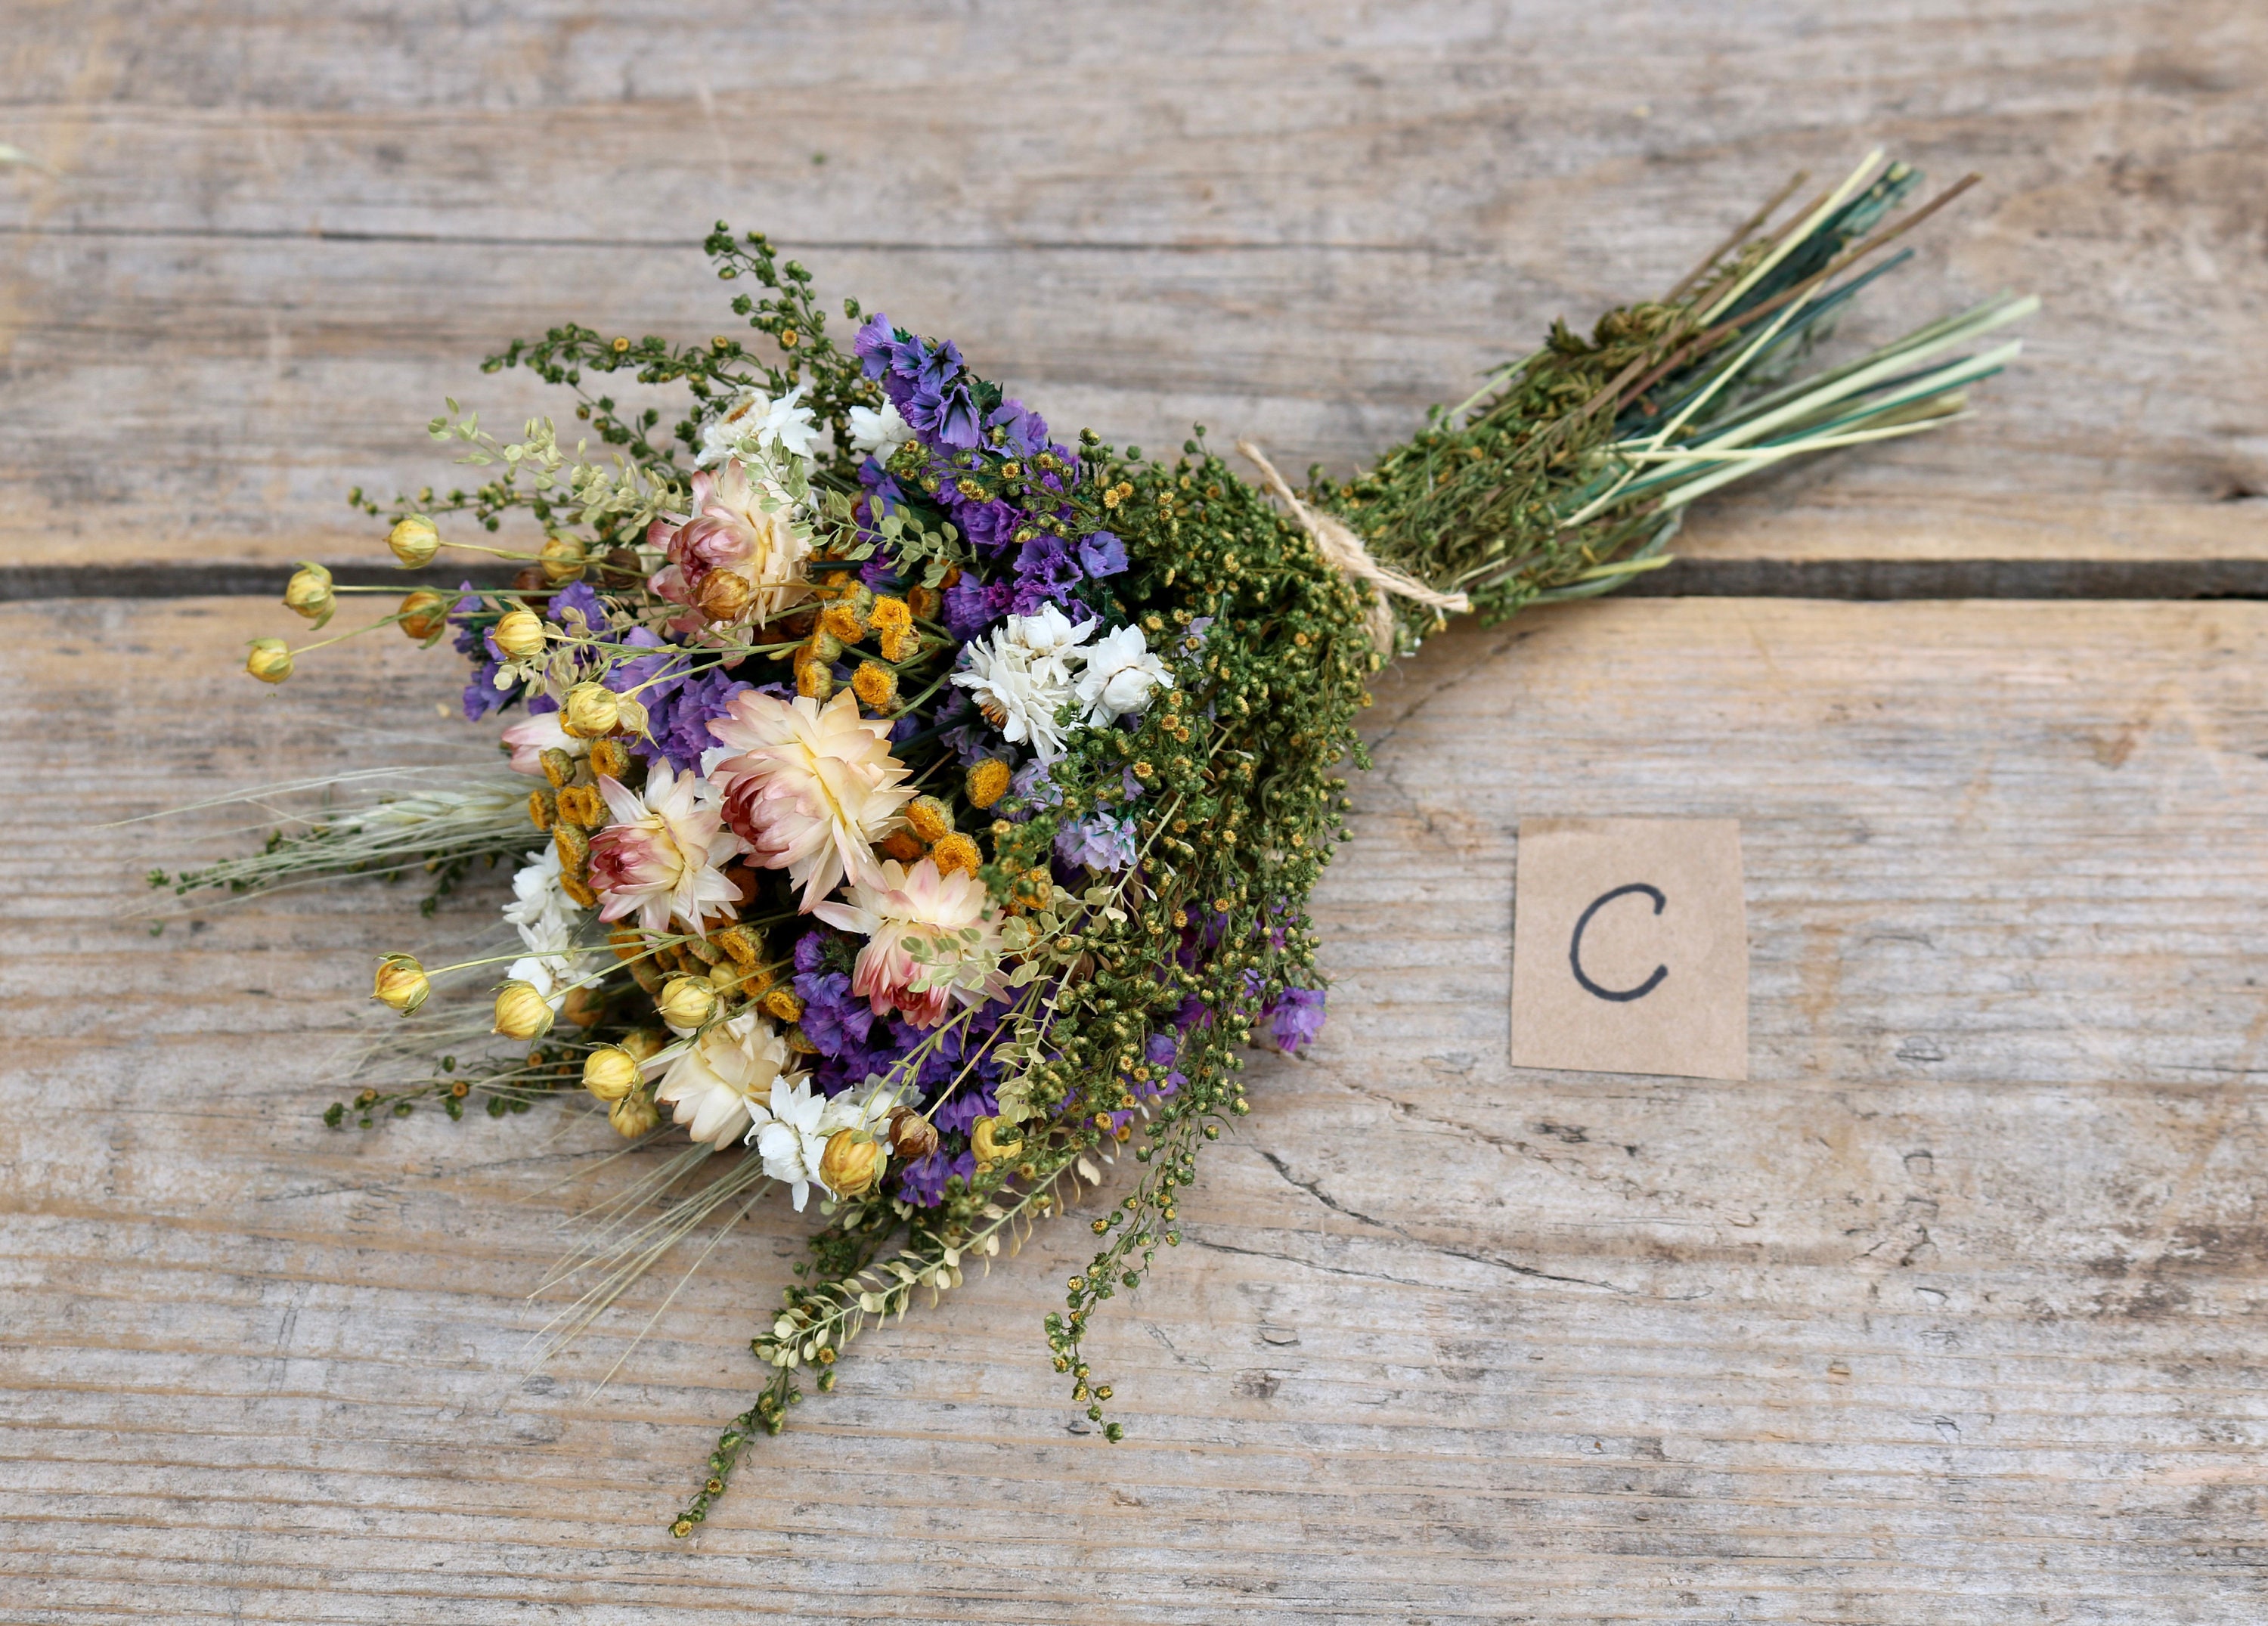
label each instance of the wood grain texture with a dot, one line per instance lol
(1953, 1314)
(271, 237)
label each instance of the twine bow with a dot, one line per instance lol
(1344, 551)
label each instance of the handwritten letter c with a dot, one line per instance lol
(1575, 945)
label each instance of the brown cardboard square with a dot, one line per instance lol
(1630, 947)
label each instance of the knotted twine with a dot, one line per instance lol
(1342, 550)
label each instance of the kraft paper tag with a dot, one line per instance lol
(1630, 948)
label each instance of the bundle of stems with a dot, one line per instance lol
(1570, 471)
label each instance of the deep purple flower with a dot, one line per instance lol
(990, 525)
(1296, 1018)
(679, 719)
(922, 1183)
(1023, 432)
(810, 951)
(482, 695)
(1102, 554)
(833, 1019)
(967, 1105)
(973, 608)
(581, 598)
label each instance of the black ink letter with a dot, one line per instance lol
(1575, 946)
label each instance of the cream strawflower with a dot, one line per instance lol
(1024, 673)
(1120, 676)
(718, 1084)
(811, 787)
(950, 915)
(740, 524)
(546, 919)
(790, 1130)
(753, 420)
(661, 855)
(878, 434)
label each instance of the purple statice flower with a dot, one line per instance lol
(1101, 554)
(1046, 574)
(966, 1106)
(880, 481)
(834, 1018)
(961, 728)
(973, 608)
(1099, 843)
(811, 951)
(482, 695)
(578, 598)
(1019, 431)
(679, 719)
(1296, 1018)
(990, 525)
(922, 1182)
(651, 675)
(880, 572)
(927, 383)
(1031, 787)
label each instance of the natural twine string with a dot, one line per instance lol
(1344, 551)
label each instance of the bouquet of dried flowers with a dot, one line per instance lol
(910, 809)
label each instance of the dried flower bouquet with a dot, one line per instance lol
(908, 809)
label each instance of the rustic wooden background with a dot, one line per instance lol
(1953, 1314)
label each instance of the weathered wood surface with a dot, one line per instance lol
(1951, 1314)
(272, 237)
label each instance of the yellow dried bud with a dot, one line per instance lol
(923, 602)
(579, 890)
(581, 804)
(955, 851)
(744, 946)
(423, 613)
(270, 660)
(875, 684)
(308, 593)
(686, 1001)
(911, 1135)
(634, 1115)
(890, 616)
(562, 558)
(645, 1044)
(992, 1140)
(592, 709)
(610, 1072)
(821, 645)
(986, 782)
(414, 542)
(724, 596)
(930, 818)
(519, 635)
(521, 1012)
(584, 1005)
(814, 680)
(542, 808)
(401, 983)
(574, 849)
(852, 1162)
(842, 621)
(609, 758)
(904, 846)
(558, 767)
(783, 1004)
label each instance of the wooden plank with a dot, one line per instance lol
(1953, 1314)
(270, 239)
